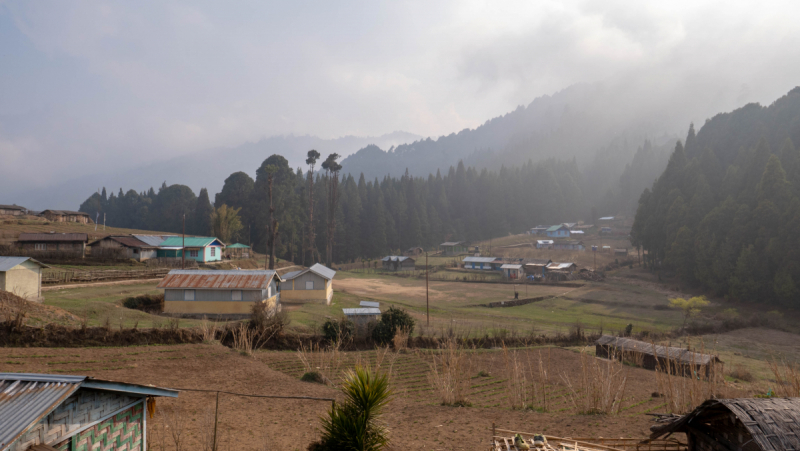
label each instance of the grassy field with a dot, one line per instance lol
(11, 228)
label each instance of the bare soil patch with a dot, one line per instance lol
(35, 313)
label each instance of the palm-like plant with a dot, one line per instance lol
(354, 424)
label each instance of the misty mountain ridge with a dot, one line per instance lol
(202, 169)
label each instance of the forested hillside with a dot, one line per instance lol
(725, 214)
(373, 217)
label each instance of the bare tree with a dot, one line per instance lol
(333, 169)
(313, 156)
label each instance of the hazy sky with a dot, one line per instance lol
(91, 85)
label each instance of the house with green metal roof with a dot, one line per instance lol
(237, 250)
(558, 231)
(198, 248)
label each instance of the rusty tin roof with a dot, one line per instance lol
(218, 280)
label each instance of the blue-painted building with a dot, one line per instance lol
(198, 248)
(558, 231)
(488, 263)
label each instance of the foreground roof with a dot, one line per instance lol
(190, 241)
(218, 279)
(7, 263)
(774, 423)
(662, 352)
(25, 398)
(53, 237)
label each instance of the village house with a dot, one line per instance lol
(454, 247)
(747, 424)
(606, 219)
(536, 267)
(237, 251)
(398, 263)
(198, 248)
(126, 246)
(219, 293)
(66, 216)
(487, 263)
(12, 210)
(65, 243)
(60, 412)
(544, 244)
(314, 284)
(558, 231)
(621, 252)
(569, 245)
(538, 230)
(649, 356)
(605, 230)
(22, 276)
(567, 266)
(414, 251)
(513, 271)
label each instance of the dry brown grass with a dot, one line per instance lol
(526, 383)
(326, 361)
(683, 392)
(787, 378)
(600, 387)
(450, 373)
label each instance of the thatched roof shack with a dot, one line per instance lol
(747, 424)
(649, 356)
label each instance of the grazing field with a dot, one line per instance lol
(11, 228)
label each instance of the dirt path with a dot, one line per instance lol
(98, 284)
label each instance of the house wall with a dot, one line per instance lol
(118, 418)
(81, 219)
(10, 212)
(74, 247)
(295, 290)
(207, 302)
(217, 254)
(24, 280)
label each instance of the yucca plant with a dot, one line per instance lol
(355, 423)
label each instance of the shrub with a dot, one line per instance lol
(741, 373)
(354, 423)
(150, 303)
(391, 321)
(313, 376)
(338, 330)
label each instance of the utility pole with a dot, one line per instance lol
(427, 308)
(183, 244)
(104, 222)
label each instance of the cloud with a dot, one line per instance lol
(97, 83)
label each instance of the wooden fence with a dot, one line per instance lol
(66, 277)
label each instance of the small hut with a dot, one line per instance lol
(362, 318)
(398, 263)
(651, 356)
(237, 250)
(747, 424)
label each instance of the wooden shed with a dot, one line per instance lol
(219, 293)
(650, 356)
(12, 210)
(61, 412)
(398, 263)
(66, 216)
(73, 244)
(747, 424)
(21, 276)
(362, 317)
(513, 271)
(126, 246)
(314, 284)
(237, 250)
(454, 247)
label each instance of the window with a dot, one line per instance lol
(236, 295)
(40, 246)
(213, 251)
(193, 254)
(188, 295)
(310, 285)
(135, 251)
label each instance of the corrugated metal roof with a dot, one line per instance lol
(53, 237)
(544, 241)
(238, 246)
(361, 311)
(66, 212)
(555, 227)
(395, 258)
(218, 280)
(23, 402)
(369, 304)
(7, 263)
(556, 265)
(678, 354)
(606, 218)
(537, 261)
(127, 240)
(292, 275)
(479, 259)
(191, 241)
(452, 243)
(152, 240)
(507, 266)
(322, 271)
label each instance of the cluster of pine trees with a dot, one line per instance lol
(373, 217)
(725, 214)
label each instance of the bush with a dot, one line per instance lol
(354, 423)
(338, 330)
(313, 376)
(392, 320)
(267, 324)
(150, 303)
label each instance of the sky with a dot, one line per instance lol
(92, 86)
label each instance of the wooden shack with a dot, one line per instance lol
(66, 216)
(123, 247)
(398, 263)
(237, 250)
(746, 424)
(363, 318)
(61, 412)
(414, 251)
(69, 244)
(454, 247)
(651, 356)
(12, 210)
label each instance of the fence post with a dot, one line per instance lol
(216, 416)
